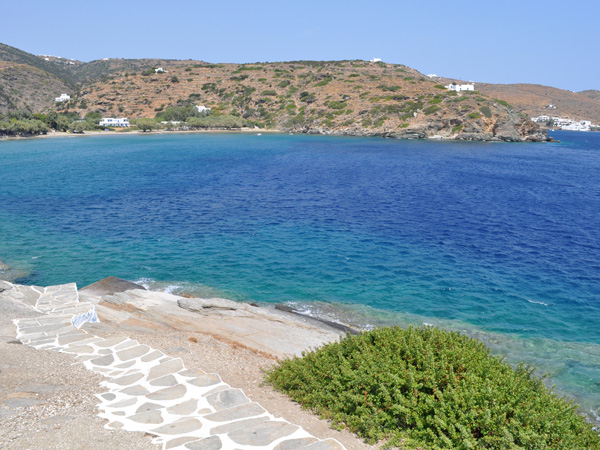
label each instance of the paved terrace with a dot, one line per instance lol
(150, 391)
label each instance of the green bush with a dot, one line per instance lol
(324, 82)
(386, 88)
(426, 387)
(431, 109)
(336, 105)
(487, 112)
(268, 92)
(474, 115)
(502, 102)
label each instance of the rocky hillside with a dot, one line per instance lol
(338, 97)
(534, 99)
(335, 97)
(23, 86)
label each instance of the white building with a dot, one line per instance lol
(110, 122)
(461, 87)
(374, 60)
(63, 98)
(432, 75)
(203, 109)
(541, 119)
(582, 125)
(160, 70)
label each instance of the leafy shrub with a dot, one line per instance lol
(431, 109)
(336, 105)
(268, 92)
(426, 387)
(386, 88)
(502, 102)
(435, 101)
(474, 115)
(486, 111)
(324, 82)
(439, 86)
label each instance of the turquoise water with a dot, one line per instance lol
(498, 240)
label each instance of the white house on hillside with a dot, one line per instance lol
(63, 98)
(110, 122)
(203, 109)
(461, 87)
(374, 60)
(160, 70)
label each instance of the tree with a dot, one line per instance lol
(146, 124)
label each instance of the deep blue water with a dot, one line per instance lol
(500, 240)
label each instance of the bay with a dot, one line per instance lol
(498, 240)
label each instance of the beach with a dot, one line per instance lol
(48, 399)
(129, 132)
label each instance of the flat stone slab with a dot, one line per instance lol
(166, 368)
(231, 426)
(210, 443)
(167, 380)
(328, 444)
(148, 417)
(205, 380)
(295, 444)
(237, 412)
(184, 426)
(185, 408)
(170, 393)
(133, 352)
(263, 433)
(227, 399)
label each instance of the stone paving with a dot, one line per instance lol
(150, 391)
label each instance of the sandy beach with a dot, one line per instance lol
(128, 132)
(47, 398)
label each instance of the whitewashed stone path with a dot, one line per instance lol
(150, 391)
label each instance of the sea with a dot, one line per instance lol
(500, 241)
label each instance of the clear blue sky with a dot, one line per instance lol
(545, 42)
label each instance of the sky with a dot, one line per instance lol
(554, 43)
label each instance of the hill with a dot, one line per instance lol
(24, 86)
(534, 99)
(329, 97)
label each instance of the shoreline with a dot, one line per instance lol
(341, 319)
(259, 131)
(58, 134)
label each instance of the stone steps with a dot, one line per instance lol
(151, 392)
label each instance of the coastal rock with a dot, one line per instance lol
(208, 305)
(111, 286)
